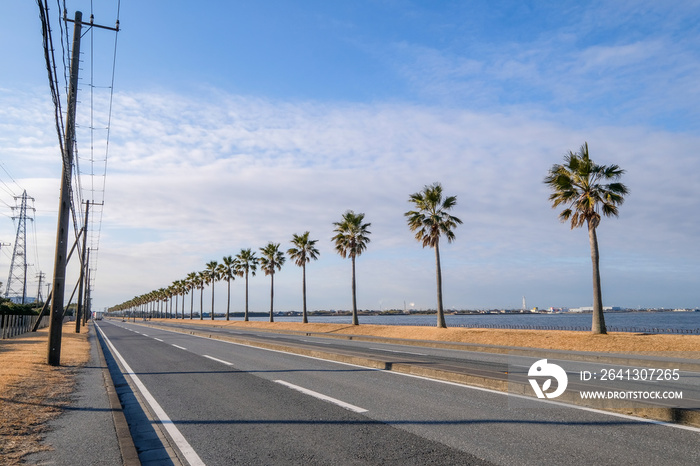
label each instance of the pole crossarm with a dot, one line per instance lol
(91, 23)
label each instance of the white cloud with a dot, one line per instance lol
(191, 180)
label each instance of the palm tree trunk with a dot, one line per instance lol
(228, 299)
(245, 317)
(598, 325)
(355, 321)
(304, 319)
(438, 274)
(272, 294)
(183, 304)
(201, 303)
(192, 303)
(212, 298)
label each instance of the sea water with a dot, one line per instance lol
(652, 322)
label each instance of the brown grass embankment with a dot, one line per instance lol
(32, 392)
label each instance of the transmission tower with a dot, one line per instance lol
(17, 280)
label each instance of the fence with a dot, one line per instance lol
(610, 328)
(13, 325)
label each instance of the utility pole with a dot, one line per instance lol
(83, 273)
(40, 276)
(59, 271)
(88, 299)
(60, 260)
(87, 313)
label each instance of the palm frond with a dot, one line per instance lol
(431, 219)
(581, 186)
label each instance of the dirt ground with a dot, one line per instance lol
(32, 392)
(688, 345)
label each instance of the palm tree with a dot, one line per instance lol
(272, 258)
(183, 287)
(213, 274)
(247, 262)
(303, 251)
(351, 239)
(588, 190)
(161, 298)
(176, 290)
(430, 221)
(202, 279)
(191, 286)
(228, 271)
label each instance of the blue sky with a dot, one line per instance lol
(239, 123)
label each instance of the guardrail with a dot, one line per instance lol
(12, 325)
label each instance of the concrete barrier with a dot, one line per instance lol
(12, 325)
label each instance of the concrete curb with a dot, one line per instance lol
(127, 448)
(673, 415)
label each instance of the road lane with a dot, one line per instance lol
(512, 366)
(233, 417)
(456, 417)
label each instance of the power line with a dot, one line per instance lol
(51, 69)
(11, 192)
(97, 190)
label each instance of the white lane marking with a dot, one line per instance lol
(157, 339)
(185, 448)
(400, 352)
(144, 334)
(218, 360)
(469, 387)
(180, 347)
(323, 397)
(317, 342)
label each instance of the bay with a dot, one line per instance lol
(641, 322)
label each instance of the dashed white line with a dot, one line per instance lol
(180, 347)
(157, 339)
(323, 397)
(218, 360)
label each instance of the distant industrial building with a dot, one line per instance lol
(590, 309)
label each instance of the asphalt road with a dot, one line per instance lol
(236, 404)
(511, 366)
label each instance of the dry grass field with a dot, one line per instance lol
(31, 391)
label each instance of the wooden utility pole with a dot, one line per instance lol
(83, 272)
(59, 271)
(87, 312)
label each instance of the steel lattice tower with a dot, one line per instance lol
(17, 280)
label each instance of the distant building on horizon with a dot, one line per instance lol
(590, 309)
(18, 299)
